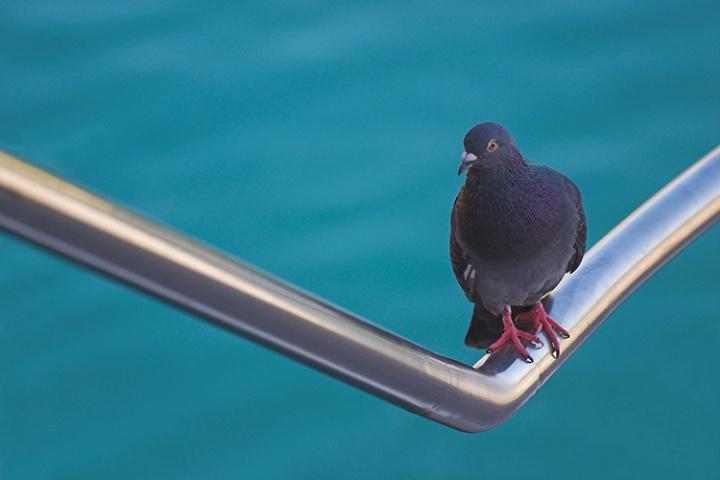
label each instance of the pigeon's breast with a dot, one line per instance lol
(519, 246)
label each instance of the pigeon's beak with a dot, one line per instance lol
(466, 161)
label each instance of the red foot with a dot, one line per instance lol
(541, 320)
(512, 334)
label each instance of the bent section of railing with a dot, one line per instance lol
(80, 226)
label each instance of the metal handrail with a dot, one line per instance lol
(80, 226)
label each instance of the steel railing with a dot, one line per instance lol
(80, 226)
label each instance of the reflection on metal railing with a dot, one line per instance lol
(78, 225)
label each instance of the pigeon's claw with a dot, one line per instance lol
(541, 321)
(513, 335)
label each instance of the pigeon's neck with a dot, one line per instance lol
(509, 205)
(489, 182)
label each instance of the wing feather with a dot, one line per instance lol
(464, 271)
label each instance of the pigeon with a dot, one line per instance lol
(516, 229)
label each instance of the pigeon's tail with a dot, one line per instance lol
(485, 328)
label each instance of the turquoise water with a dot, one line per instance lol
(320, 141)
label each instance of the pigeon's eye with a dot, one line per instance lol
(492, 145)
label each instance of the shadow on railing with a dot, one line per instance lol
(80, 226)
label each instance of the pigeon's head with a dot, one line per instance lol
(487, 144)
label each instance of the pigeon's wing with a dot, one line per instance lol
(464, 271)
(573, 195)
(581, 231)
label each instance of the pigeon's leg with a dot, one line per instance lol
(541, 320)
(512, 334)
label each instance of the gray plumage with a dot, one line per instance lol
(516, 229)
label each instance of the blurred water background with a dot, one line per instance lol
(320, 142)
